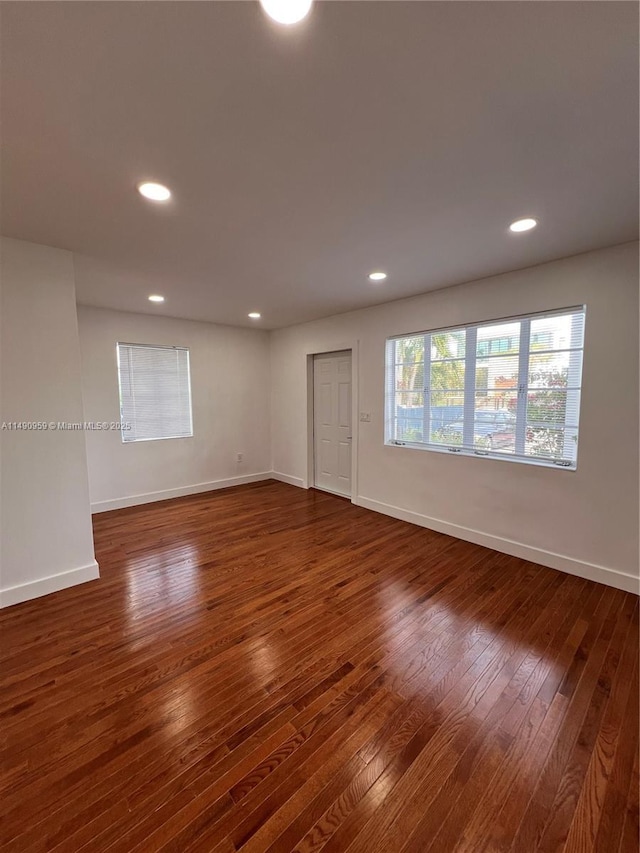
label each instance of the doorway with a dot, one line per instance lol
(332, 422)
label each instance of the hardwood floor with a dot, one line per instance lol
(269, 669)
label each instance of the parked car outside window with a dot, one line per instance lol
(493, 428)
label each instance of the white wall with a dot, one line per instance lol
(46, 541)
(230, 394)
(585, 522)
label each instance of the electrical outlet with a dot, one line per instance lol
(239, 457)
(365, 417)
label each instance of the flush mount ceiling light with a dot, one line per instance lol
(286, 11)
(154, 192)
(254, 315)
(377, 276)
(523, 225)
(155, 297)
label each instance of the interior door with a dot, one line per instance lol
(332, 422)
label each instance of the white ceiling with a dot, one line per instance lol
(401, 136)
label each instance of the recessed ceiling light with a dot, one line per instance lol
(286, 11)
(254, 315)
(377, 276)
(523, 225)
(156, 298)
(154, 192)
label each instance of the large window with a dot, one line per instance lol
(508, 389)
(155, 392)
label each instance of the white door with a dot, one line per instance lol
(332, 422)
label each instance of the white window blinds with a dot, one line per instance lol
(155, 392)
(508, 389)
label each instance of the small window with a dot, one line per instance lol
(508, 389)
(155, 392)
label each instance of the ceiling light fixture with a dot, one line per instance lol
(254, 315)
(522, 225)
(286, 11)
(154, 192)
(155, 297)
(377, 276)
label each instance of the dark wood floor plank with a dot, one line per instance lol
(499, 685)
(475, 816)
(266, 669)
(630, 826)
(615, 611)
(83, 752)
(397, 684)
(412, 731)
(256, 804)
(532, 723)
(392, 663)
(597, 759)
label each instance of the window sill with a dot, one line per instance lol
(155, 438)
(483, 454)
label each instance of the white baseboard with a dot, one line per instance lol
(43, 586)
(286, 478)
(182, 491)
(589, 571)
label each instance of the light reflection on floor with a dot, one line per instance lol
(166, 576)
(419, 655)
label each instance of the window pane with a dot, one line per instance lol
(494, 421)
(555, 370)
(562, 331)
(409, 367)
(497, 374)
(551, 442)
(410, 350)
(546, 407)
(409, 428)
(498, 339)
(446, 415)
(446, 399)
(155, 392)
(448, 435)
(410, 399)
(503, 401)
(409, 377)
(447, 375)
(448, 344)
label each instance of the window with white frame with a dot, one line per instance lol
(155, 392)
(507, 389)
